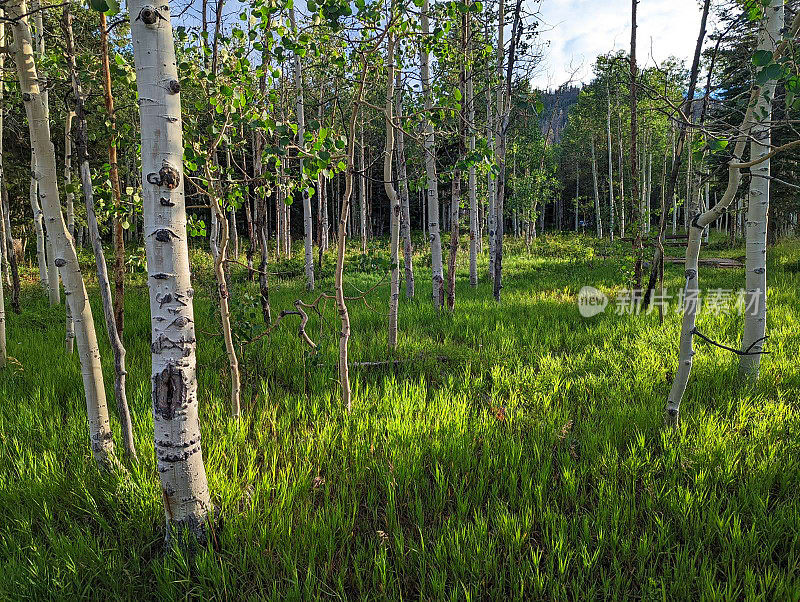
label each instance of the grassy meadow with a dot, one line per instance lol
(513, 451)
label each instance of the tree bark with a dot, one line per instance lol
(434, 235)
(755, 315)
(101, 437)
(610, 168)
(394, 200)
(691, 290)
(598, 220)
(636, 217)
(116, 223)
(174, 385)
(69, 338)
(405, 225)
(472, 184)
(82, 139)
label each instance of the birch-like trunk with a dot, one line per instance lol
(3, 351)
(101, 437)
(262, 227)
(362, 189)
(69, 337)
(636, 217)
(53, 288)
(405, 208)
(491, 191)
(174, 370)
(38, 222)
(755, 315)
(610, 169)
(472, 184)
(220, 254)
(82, 140)
(496, 232)
(437, 272)
(598, 220)
(394, 200)
(341, 302)
(9, 242)
(113, 174)
(691, 290)
(455, 189)
(577, 194)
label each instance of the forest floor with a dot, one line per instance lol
(515, 450)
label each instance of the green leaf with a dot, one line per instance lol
(762, 58)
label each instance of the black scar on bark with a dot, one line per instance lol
(169, 392)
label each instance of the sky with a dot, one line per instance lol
(580, 30)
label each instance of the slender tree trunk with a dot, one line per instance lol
(362, 205)
(69, 338)
(636, 217)
(54, 291)
(301, 129)
(577, 193)
(500, 150)
(408, 252)
(430, 167)
(101, 437)
(598, 219)
(610, 169)
(3, 238)
(491, 191)
(755, 315)
(82, 139)
(38, 223)
(394, 200)
(174, 385)
(691, 290)
(621, 172)
(12, 256)
(118, 239)
(472, 183)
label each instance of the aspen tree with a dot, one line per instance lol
(100, 435)
(174, 362)
(308, 240)
(610, 167)
(113, 175)
(402, 175)
(82, 140)
(394, 200)
(699, 222)
(472, 183)
(437, 271)
(755, 316)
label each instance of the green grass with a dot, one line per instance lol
(422, 491)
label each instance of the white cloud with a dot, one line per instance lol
(580, 30)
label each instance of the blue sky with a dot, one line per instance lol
(579, 30)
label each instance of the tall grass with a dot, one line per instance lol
(512, 450)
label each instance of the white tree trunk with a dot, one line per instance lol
(610, 170)
(81, 135)
(437, 272)
(408, 252)
(3, 352)
(691, 290)
(174, 368)
(38, 222)
(102, 440)
(362, 189)
(755, 317)
(69, 339)
(301, 131)
(472, 183)
(394, 200)
(598, 220)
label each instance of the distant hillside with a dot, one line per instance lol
(556, 106)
